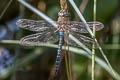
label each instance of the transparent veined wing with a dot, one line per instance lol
(83, 39)
(74, 26)
(79, 27)
(34, 25)
(32, 40)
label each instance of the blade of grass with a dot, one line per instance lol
(93, 46)
(84, 21)
(72, 49)
(1, 15)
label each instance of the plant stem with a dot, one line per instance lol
(1, 15)
(93, 62)
(93, 47)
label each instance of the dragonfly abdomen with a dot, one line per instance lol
(59, 51)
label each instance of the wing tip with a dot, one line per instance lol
(101, 25)
(19, 22)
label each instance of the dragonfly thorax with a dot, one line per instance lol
(62, 19)
(63, 28)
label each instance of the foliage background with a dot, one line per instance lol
(36, 63)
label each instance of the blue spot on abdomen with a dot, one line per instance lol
(61, 33)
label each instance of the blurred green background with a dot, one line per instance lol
(37, 63)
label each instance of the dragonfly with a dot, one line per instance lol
(49, 34)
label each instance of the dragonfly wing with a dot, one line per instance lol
(79, 27)
(43, 37)
(83, 39)
(34, 25)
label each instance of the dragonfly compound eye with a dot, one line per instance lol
(63, 14)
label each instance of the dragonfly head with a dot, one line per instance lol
(63, 15)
